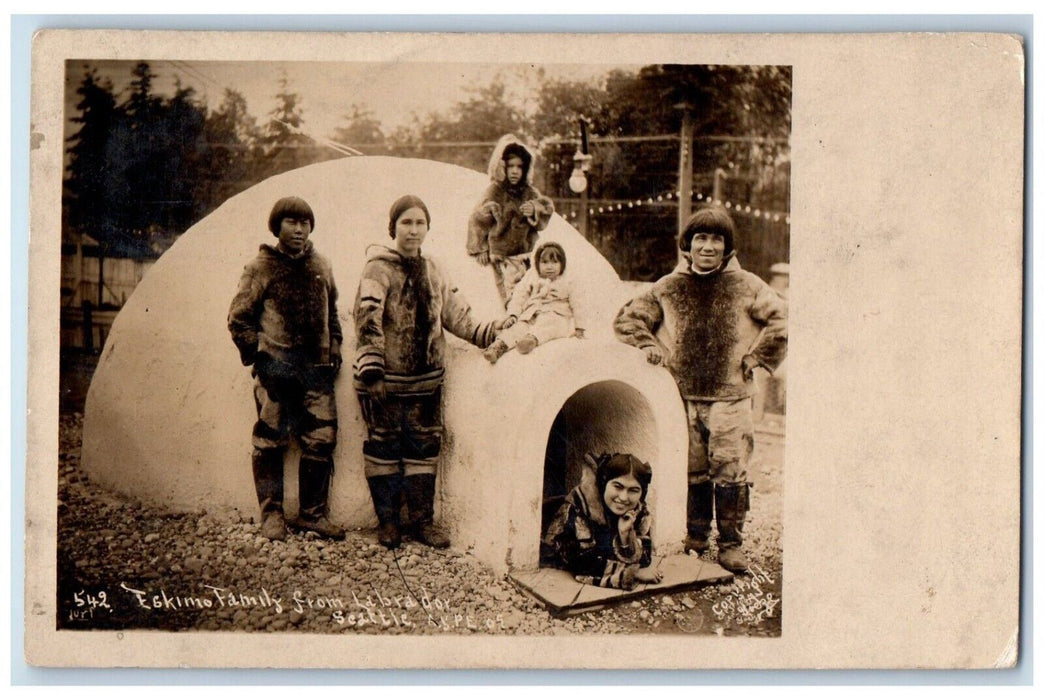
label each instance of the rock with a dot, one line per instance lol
(499, 593)
(295, 617)
(668, 601)
(688, 602)
(194, 565)
(513, 619)
(151, 537)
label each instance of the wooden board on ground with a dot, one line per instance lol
(563, 595)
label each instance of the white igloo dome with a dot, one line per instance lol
(170, 409)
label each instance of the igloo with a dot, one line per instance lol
(170, 411)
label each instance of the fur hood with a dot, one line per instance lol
(271, 252)
(586, 497)
(496, 168)
(377, 251)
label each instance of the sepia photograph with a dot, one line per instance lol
(507, 356)
(475, 351)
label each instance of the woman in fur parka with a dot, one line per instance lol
(404, 306)
(503, 228)
(602, 533)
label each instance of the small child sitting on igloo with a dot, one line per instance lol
(543, 306)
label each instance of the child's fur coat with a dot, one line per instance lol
(497, 225)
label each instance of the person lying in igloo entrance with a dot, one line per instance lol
(543, 306)
(602, 533)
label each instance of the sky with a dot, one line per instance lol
(393, 91)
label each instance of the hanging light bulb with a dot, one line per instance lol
(578, 181)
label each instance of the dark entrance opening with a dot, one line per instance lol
(608, 416)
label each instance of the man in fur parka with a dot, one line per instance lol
(503, 228)
(284, 321)
(712, 323)
(404, 307)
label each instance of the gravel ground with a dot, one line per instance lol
(126, 564)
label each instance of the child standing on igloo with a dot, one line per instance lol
(504, 227)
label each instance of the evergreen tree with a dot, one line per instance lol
(233, 152)
(184, 151)
(285, 145)
(140, 152)
(90, 173)
(361, 129)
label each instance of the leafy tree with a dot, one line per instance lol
(561, 103)
(485, 116)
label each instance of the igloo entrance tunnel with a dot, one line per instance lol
(170, 410)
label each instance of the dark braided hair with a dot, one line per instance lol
(417, 288)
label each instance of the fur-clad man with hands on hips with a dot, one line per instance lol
(712, 323)
(284, 321)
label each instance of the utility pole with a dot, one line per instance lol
(719, 175)
(685, 165)
(578, 180)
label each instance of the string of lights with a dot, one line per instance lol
(610, 206)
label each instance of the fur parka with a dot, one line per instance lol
(497, 225)
(286, 307)
(707, 324)
(583, 538)
(399, 325)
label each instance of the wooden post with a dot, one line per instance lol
(581, 221)
(719, 175)
(685, 166)
(101, 276)
(585, 166)
(87, 324)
